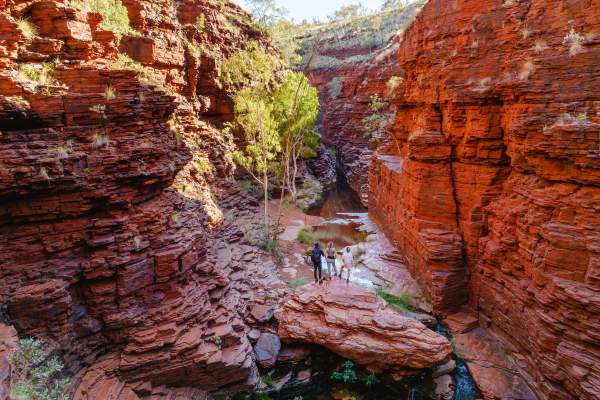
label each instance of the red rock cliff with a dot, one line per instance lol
(494, 193)
(105, 203)
(349, 61)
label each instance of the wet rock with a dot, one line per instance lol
(358, 325)
(281, 382)
(443, 369)
(253, 335)
(267, 349)
(492, 368)
(444, 388)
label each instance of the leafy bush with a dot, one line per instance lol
(37, 376)
(307, 235)
(393, 83)
(250, 67)
(114, 15)
(347, 374)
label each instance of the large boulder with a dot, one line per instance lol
(356, 324)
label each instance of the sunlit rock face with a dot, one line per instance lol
(104, 212)
(493, 192)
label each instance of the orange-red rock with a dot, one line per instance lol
(493, 192)
(358, 325)
(104, 217)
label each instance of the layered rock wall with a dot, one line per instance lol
(493, 192)
(105, 201)
(350, 61)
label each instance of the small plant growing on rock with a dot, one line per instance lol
(39, 74)
(527, 69)
(217, 341)
(296, 283)
(335, 87)
(37, 376)
(146, 76)
(201, 22)
(393, 83)
(306, 235)
(44, 174)
(114, 15)
(370, 380)
(540, 46)
(62, 151)
(110, 93)
(347, 374)
(99, 109)
(574, 40)
(101, 140)
(269, 381)
(28, 30)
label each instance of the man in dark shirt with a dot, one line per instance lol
(316, 256)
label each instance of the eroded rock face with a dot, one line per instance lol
(358, 325)
(493, 193)
(348, 68)
(105, 213)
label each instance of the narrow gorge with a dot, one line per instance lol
(465, 140)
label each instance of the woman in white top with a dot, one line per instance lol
(347, 262)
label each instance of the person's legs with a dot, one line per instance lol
(320, 273)
(315, 265)
(330, 263)
(348, 278)
(334, 267)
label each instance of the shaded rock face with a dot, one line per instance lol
(348, 67)
(493, 194)
(8, 343)
(356, 324)
(104, 212)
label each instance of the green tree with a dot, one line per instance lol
(296, 107)
(348, 12)
(388, 4)
(266, 12)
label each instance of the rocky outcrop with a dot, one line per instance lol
(349, 61)
(356, 324)
(106, 206)
(492, 193)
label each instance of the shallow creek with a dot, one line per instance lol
(343, 220)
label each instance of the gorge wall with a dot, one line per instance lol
(491, 187)
(106, 205)
(349, 61)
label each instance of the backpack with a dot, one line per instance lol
(316, 255)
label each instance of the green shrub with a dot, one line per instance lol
(347, 374)
(404, 302)
(307, 235)
(370, 380)
(201, 22)
(37, 376)
(114, 15)
(393, 83)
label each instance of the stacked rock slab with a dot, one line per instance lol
(356, 324)
(99, 254)
(494, 195)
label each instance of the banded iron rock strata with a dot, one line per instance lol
(493, 192)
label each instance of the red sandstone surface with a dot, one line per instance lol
(493, 196)
(357, 324)
(105, 214)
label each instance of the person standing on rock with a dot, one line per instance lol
(315, 257)
(331, 255)
(347, 262)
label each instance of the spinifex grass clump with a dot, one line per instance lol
(307, 235)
